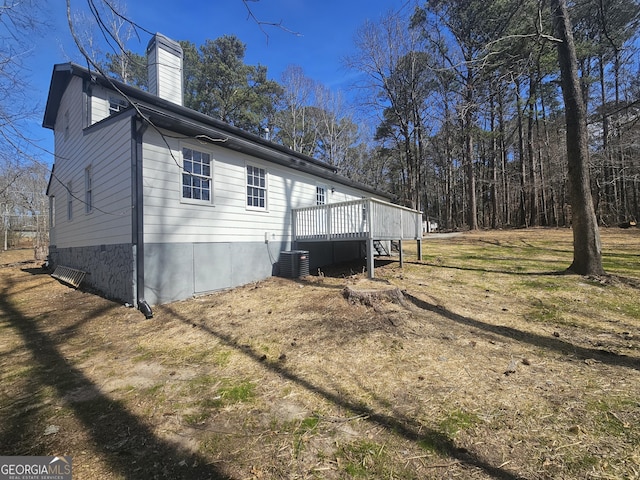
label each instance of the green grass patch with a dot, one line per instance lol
(308, 424)
(239, 392)
(458, 420)
(545, 284)
(363, 459)
(579, 462)
(437, 442)
(616, 416)
(216, 393)
(211, 394)
(621, 264)
(301, 430)
(547, 312)
(196, 418)
(201, 384)
(18, 373)
(221, 358)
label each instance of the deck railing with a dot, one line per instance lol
(363, 219)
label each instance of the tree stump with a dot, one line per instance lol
(370, 294)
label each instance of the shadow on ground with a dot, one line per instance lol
(129, 447)
(550, 343)
(399, 423)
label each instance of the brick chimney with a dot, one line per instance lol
(164, 68)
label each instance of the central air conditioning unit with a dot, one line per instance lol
(294, 264)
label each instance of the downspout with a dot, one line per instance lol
(138, 127)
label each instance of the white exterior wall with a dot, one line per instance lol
(99, 103)
(170, 219)
(108, 151)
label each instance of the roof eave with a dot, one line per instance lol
(60, 78)
(193, 121)
(223, 138)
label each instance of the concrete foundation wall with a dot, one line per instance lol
(175, 271)
(110, 268)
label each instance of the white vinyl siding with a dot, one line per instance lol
(52, 211)
(108, 151)
(88, 190)
(169, 219)
(69, 201)
(104, 103)
(52, 220)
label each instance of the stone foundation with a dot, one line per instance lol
(110, 268)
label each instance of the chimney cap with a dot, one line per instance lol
(162, 41)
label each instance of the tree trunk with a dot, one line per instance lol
(587, 253)
(522, 210)
(506, 198)
(531, 155)
(493, 165)
(472, 206)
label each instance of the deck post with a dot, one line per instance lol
(401, 254)
(327, 210)
(294, 230)
(370, 258)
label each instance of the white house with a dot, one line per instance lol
(157, 202)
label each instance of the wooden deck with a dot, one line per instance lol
(366, 220)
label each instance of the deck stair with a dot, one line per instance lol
(68, 275)
(380, 248)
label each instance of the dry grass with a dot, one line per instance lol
(496, 365)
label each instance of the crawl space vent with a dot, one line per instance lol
(68, 275)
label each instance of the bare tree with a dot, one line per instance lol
(293, 121)
(394, 81)
(337, 131)
(19, 22)
(587, 250)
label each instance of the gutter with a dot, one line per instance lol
(138, 128)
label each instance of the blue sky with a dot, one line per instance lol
(325, 31)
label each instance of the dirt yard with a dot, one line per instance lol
(491, 363)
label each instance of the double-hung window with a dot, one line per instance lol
(256, 188)
(196, 175)
(321, 195)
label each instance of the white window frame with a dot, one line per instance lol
(321, 194)
(88, 190)
(195, 170)
(252, 190)
(116, 105)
